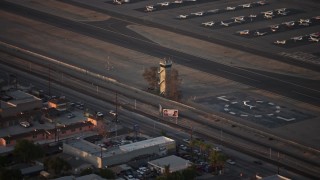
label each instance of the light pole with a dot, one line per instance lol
(58, 131)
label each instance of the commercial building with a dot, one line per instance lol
(15, 102)
(175, 163)
(47, 134)
(101, 157)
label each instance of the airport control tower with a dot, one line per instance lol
(164, 76)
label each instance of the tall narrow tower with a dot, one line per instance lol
(164, 76)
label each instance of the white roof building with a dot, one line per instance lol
(175, 163)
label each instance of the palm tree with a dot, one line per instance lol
(208, 148)
(217, 159)
(192, 144)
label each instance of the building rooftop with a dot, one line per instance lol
(176, 163)
(20, 97)
(146, 143)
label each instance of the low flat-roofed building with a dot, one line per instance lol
(57, 133)
(101, 157)
(162, 140)
(175, 164)
(19, 102)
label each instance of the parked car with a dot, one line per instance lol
(25, 124)
(186, 140)
(99, 114)
(229, 161)
(216, 149)
(71, 116)
(112, 113)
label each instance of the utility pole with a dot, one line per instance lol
(49, 80)
(116, 107)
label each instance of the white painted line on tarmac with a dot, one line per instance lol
(258, 116)
(223, 98)
(233, 113)
(244, 115)
(286, 119)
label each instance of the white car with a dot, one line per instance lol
(217, 149)
(112, 113)
(186, 140)
(231, 162)
(25, 124)
(99, 114)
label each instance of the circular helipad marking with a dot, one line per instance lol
(251, 106)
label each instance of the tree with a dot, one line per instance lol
(102, 128)
(10, 174)
(217, 159)
(151, 76)
(163, 133)
(27, 151)
(189, 173)
(3, 161)
(167, 170)
(86, 171)
(107, 173)
(193, 143)
(57, 165)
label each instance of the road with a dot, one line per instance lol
(304, 90)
